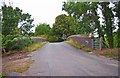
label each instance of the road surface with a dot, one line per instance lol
(61, 59)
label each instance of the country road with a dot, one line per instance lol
(61, 59)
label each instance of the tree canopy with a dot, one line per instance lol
(86, 13)
(12, 18)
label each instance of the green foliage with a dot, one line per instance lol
(88, 50)
(78, 10)
(20, 43)
(8, 44)
(31, 34)
(53, 39)
(2, 75)
(7, 41)
(26, 24)
(115, 42)
(42, 29)
(10, 37)
(44, 36)
(108, 16)
(88, 17)
(110, 55)
(10, 20)
(64, 25)
(17, 43)
(14, 17)
(1, 41)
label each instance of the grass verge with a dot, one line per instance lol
(23, 67)
(87, 50)
(18, 66)
(110, 55)
(78, 46)
(18, 61)
(34, 47)
(2, 74)
(114, 52)
(75, 44)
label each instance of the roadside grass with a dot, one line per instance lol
(31, 48)
(17, 61)
(22, 68)
(87, 50)
(18, 66)
(34, 47)
(78, 46)
(2, 74)
(75, 44)
(110, 53)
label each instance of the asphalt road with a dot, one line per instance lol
(61, 59)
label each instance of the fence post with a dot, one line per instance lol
(92, 43)
(100, 43)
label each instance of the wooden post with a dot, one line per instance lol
(92, 43)
(100, 43)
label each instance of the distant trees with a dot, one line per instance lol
(42, 29)
(62, 25)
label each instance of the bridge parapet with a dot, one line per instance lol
(91, 42)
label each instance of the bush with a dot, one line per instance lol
(8, 44)
(17, 43)
(21, 43)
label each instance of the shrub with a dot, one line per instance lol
(8, 44)
(20, 43)
(17, 43)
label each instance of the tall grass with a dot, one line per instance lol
(78, 46)
(34, 47)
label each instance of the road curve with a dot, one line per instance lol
(61, 59)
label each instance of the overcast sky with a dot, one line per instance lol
(43, 11)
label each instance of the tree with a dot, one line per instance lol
(0, 21)
(42, 29)
(26, 24)
(87, 15)
(10, 21)
(108, 22)
(12, 18)
(117, 11)
(79, 11)
(64, 25)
